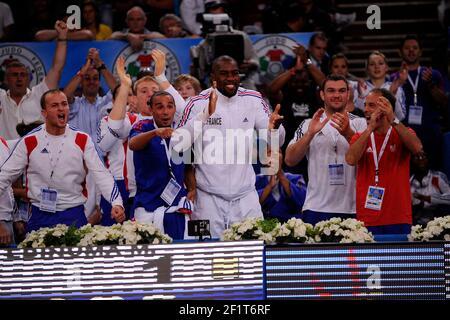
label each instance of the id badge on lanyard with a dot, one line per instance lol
(374, 198)
(415, 111)
(48, 200)
(375, 194)
(171, 191)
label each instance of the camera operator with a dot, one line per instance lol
(220, 25)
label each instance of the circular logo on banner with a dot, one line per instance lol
(32, 62)
(275, 55)
(136, 62)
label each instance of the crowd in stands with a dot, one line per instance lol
(370, 147)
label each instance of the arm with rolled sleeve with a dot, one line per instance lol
(102, 176)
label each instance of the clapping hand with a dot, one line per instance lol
(123, 76)
(275, 118)
(212, 99)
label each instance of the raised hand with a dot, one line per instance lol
(315, 125)
(86, 67)
(123, 76)
(160, 61)
(427, 75)
(403, 73)
(61, 29)
(385, 106)
(212, 99)
(300, 51)
(94, 55)
(118, 214)
(341, 123)
(275, 118)
(375, 117)
(362, 87)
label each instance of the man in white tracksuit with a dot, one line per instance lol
(224, 174)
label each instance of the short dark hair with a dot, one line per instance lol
(387, 94)
(15, 64)
(318, 35)
(158, 94)
(215, 63)
(46, 93)
(333, 77)
(411, 37)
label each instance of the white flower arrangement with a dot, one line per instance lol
(295, 231)
(253, 229)
(436, 229)
(342, 231)
(128, 233)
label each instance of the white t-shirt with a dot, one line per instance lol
(6, 17)
(320, 195)
(28, 110)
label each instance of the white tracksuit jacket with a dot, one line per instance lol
(31, 157)
(6, 197)
(119, 158)
(246, 110)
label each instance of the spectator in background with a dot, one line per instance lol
(91, 21)
(317, 51)
(155, 9)
(316, 19)
(171, 26)
(281, 195)
(136, 32)
(377, 71)
(19, 103)
(292, 17)
(86, 111)
(295, 90)
(189, 11)
(381, 154)
(426, 101)
(187, 86)
(6, 22)
(72, 34)
(430, 191)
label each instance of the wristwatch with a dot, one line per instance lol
(101, 67)
(308, 62)
(395, 122)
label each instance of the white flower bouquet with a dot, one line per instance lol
(342, 231)
(253, 229)
(128, 233)
(295, 231)
(436, 229)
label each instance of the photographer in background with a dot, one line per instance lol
(234, 43)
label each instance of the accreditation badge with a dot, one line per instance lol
(170, 191)
(336, 174)
(48, 200)
(374, 199)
